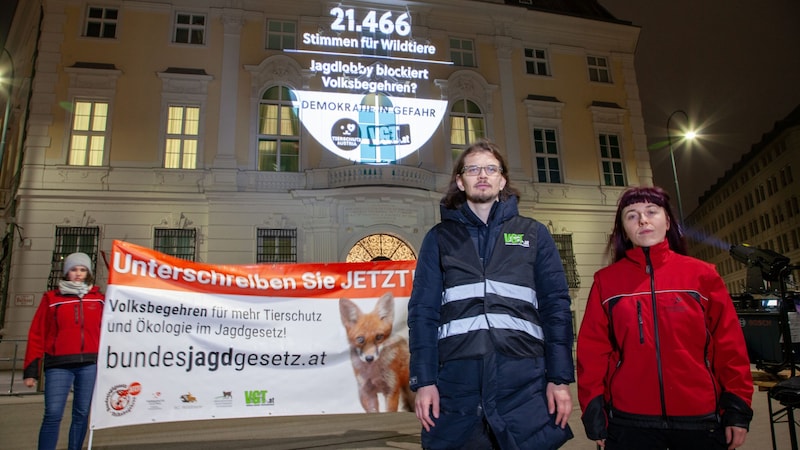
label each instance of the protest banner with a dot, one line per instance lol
(191, 341)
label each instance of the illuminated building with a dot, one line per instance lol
(236, 132)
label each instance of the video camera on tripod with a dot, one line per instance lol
(765, 318)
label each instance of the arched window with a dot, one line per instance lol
(467, 125)
(278, 132)
(380, 247)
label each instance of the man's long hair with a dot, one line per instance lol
(619, 241)
(455, 197)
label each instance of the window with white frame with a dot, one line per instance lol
(190, 28)
(548, 166)
(177, 242)
(462, 52)
(467, 125)
(598, 69)
(88, 137)
(536, 62)
(281, 34)
(183, 127)
(69, 240)
(276, 245)
(611, 160)
(101, 22)
(184, 93)
(278, 132)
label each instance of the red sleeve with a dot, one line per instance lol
(37, 333)
(594, 349)
(731, 363)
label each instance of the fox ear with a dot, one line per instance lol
(385, 307)
(349, 311)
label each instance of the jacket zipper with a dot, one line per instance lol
(641, 321)
(81, 323)
(650, 271)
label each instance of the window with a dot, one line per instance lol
(281, 34)
(276, 245)
(70, 240)
(598, 69)
(611, 160)
(546, 149)
(190, 28)
(380, 247)
(467, 125)
(177, 242)
(88, 140)
(371, 43)
(564, 244)
(462, 52)
(278, 132)
(182, 132)
(536, 62)
(101, 22)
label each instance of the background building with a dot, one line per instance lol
(223, 131)
(757, 203)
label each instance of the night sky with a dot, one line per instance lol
(734, 67)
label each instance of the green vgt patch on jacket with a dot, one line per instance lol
(516, 239)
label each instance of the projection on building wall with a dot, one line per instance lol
(371, 69)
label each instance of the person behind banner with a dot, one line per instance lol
(662, 361)
(490, 328)
(63, 340)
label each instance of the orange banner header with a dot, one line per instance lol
(134, 265)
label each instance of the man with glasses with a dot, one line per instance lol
(490, 328)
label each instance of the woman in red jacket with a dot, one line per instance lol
(64, 338)
(662, 361)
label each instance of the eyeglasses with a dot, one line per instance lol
(476, 170)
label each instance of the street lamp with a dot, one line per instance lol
(690, 135)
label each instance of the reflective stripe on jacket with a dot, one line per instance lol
(499, 310)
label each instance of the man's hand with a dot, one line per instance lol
(559, 401)
(427, 405)
(29, 382)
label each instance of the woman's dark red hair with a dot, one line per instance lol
(619, 242)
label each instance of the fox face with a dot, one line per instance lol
(380, 360)
(368, 332)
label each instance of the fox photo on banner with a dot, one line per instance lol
(192, 341)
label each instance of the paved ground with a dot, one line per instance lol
(20, 416)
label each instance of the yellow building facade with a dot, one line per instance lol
(236, 132)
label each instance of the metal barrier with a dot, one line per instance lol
(13, 376)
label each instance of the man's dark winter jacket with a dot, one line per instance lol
(65, 330)
(660, 346)
(490, 313)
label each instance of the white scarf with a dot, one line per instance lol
(78, 288)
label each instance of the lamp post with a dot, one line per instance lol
(689, 135)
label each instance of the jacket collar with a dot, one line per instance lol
(659, 254)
